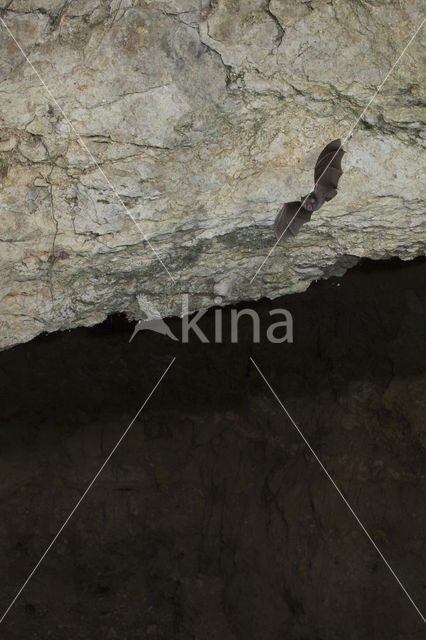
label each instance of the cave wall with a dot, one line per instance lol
(212, 520)
(183, 125)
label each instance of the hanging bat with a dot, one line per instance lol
(328, 169)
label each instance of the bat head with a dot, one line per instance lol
(310, 202)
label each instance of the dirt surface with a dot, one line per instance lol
(213, 521)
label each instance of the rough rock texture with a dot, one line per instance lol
(203, 117)
(212, 521)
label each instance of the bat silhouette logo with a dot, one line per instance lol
(154, 322)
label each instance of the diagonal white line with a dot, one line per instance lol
(345, 139)
(341, 494)
(85, 147)
(98, 473)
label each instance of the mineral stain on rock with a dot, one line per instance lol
(3, 167)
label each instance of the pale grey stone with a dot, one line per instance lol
(203, 118)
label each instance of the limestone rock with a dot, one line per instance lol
(168, 134)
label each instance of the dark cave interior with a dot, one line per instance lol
(213, 520)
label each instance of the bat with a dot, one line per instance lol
(328, 169)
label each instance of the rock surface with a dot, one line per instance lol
(171, 131)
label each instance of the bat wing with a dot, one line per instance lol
(328, 170)
(290, 219)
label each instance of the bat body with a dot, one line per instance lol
(328, 169)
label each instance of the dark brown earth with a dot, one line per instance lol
(213, 521)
